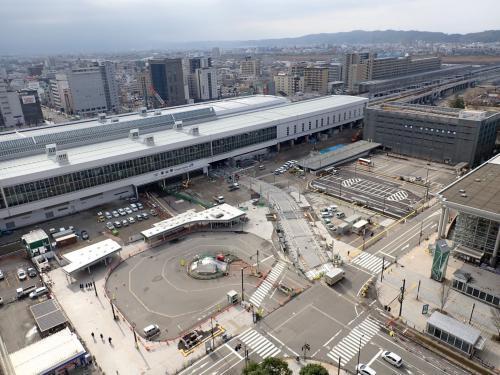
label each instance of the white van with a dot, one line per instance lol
(151, 330)
(39, 291)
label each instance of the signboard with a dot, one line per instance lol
(28, 99)
(425, 309)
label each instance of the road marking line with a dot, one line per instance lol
(333, 337)
(234, 351)
(283, 344)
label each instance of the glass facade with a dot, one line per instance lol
(449, 339)
(223, 145)
(476, 293)
(2, 202)
(88, 178)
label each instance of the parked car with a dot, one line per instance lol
(110, 225)
(39, 291)
(131, 220)
(117, 224)
(125, 223)
(108, 215)
(326, 214)
(340, 215)
(21, 274)
(31, 272)
(84, 235)
(134, 208)
(392, 358)
(122, 212)
(145, 216)
(128, 210)
(138, 217)
(153, 212)
(140, 206)
(363, 369)
(2, 276)
(115, 214)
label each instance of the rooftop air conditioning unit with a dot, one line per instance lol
(101, 117)
(115, 119)
(143, 111)
(51, 150)
(157, 113)
(149, 140)
(178, 125)
(194, 130)
(62, 157)
(133, 134)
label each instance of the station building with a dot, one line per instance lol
(59, 170)
(475, 198)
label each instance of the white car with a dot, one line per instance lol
(128, 210)
(392, 358)
(131, 220)
(365, 370)
(21, 274)
(115, 214)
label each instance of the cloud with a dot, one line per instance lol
(95, 25)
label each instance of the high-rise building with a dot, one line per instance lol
(360, 67)
(287, 84)
(94, 89)
(31, 107)
(250, 67)
(11, 113)
(316, 79)
(201, 78)
(167, 80)
(60, 94)
(334, 72)
(216, 52)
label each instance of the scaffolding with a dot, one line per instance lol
(476, 233)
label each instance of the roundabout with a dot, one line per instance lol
(157, 286)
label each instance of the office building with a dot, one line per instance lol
(250, 68)
(93, 89)
(334, 72)
(288, 85)
(11, 112)
(168, 82)
(60, 93)
(316, 79)
(445, 135)
(475, 198)
(201, 78)
(360, 67)
(216, 52)
(55, 171)
(31, 107)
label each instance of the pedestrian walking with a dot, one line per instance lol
(109, 339)
(92, 334)
(102, 337)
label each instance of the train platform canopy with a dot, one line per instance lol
(48, 355)
(85, 257)
(221, 214)
(339, 156)
(466, 333)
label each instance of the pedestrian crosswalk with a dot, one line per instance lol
(259, 344)
(351, 181)
(264, 288)
(369, 261)
(349, 346)
(398, 196)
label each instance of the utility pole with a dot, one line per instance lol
(359, 350)
(213, 337)
(257, 261)
(338, 367)
(242, 290)
(382, 272)
(95, 289)
(472, 312)
(418, 288)
(421, 230)
(401, 298)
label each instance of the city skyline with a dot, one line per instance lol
(115, 25)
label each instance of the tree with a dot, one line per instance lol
(313, 369)
(457, 102)
(270, 366)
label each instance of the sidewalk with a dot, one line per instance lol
(295, 366)
(88, 313)
(415, 267)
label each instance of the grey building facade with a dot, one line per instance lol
(445, 135)
(167, 79)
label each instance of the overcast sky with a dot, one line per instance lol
(52, 26)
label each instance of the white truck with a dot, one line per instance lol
(334, 276)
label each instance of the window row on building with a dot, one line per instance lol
(88, 178)
(449, 339)
(476, 293)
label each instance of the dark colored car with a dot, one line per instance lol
(84, 235)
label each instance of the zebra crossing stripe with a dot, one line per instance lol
(264, 288)
(398, 196)
(259, 344)
(369, 261)
(349, 345)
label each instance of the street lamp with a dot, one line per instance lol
(359, 353)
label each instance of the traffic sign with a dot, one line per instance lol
(425, 309)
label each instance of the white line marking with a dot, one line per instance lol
(331, 339)
(234, 351)
(375, 357)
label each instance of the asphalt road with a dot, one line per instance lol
(334, 326)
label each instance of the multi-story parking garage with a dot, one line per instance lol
(46, 173)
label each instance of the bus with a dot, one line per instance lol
(367, 162)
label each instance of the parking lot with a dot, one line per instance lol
(17, 326)
(171, 298)
(370, 191)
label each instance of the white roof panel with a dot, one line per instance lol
(47, 354)
(87, 256)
